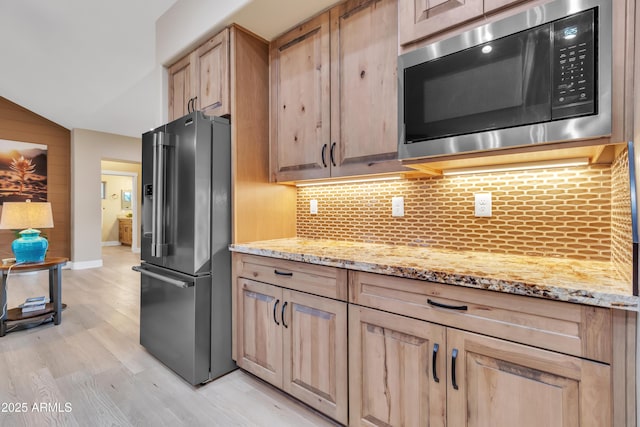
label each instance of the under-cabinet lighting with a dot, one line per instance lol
(349, 181)
(563, 163)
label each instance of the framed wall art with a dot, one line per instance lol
(23, 171)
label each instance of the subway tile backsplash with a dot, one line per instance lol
(578, 212)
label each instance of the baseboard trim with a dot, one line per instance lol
(82, 265)
(111, 243)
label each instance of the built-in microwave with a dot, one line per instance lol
(542, 75)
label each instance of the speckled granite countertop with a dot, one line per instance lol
(582, 282)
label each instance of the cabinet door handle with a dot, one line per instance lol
(284, 306)
(433, 362)
(275, 306)
(324, 152)
(333, 160)
(283, 273)
(450, 307)
(193, 106)
(189, 105)
(454, 356)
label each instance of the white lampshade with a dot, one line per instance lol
(21, 215)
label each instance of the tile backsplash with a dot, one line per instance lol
(577, 212)
(621, 244)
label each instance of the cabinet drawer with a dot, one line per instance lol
(315, 279)
(573, 329)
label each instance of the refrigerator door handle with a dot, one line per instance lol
(154, 203)
(174, 282)
(157, 207)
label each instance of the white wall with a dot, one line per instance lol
(88, 148)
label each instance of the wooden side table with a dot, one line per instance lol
(15, 315)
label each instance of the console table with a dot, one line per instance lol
(52, 308)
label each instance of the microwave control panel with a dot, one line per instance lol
(574, 76)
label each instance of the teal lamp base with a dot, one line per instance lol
(30, 246)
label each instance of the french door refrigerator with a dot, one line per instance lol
(185, 273)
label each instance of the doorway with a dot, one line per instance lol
(120, 206)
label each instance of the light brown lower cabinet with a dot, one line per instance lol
(125, 231)
(295, 341)
(407, 372)
(391, 361)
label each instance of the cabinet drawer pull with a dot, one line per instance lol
(283, 273)
(284, 306)
(275, 306)
(450, 307)
(433, 362)
(454, 356)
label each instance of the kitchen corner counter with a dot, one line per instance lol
(581, 282)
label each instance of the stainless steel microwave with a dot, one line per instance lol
(543, 75)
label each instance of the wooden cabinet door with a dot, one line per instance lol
(259, 334)
(502, 384)
(418, 19)
(491, 5)
(300, 106)
(391, 376)
(125, 231)
(212, 79)
(315, 352)
(364, 111)
(128, 233)
(181, 87)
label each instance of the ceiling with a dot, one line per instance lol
(98, 64)
(81, 64)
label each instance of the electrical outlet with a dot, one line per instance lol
(397, 206)
(482, 204)
(313, 207)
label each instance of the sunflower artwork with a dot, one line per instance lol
(23, 171)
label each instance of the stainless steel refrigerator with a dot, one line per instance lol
(185, 298)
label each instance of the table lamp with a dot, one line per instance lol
(30, 246)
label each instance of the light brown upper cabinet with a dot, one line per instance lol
(418, 19)
(334, 94)
(300, 102)
(181, 88)
(200, 80)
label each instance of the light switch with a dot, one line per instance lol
(313, 207)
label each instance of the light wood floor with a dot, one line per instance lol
(91, 370)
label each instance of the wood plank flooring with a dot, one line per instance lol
(91, 370)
